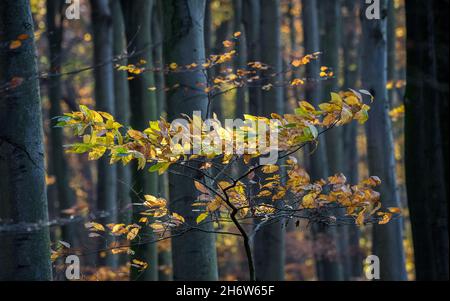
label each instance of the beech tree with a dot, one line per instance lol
(387, 241)
(194, 254)
(138, 21)
(25, 253)
(426, 127)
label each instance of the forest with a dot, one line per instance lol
(224, 140)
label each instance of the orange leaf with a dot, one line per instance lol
(15, 44)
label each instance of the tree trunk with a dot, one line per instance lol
(164, 253)
(391, 45)
(58, 164)
(252, 24)
(104, 98)
(387, 239)
(122, 106)
(327, 266)
(351, 157)
(24, 252)
(138, 20)
(194, 252)
(331, 44)
(241, 57)
(425, 163)
(269, 240)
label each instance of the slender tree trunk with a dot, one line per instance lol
(252, 24)
(24, 252)
(387, 239)
(138, 20)
(122, 106)
(102, 25)
(391, 45)
(327, 266)
(241, 58)
(58, 163)
(425, 163)
(351, 157)
(269, 240)
(331, 44)
(193, 253)
(222, 33)
(164, 253)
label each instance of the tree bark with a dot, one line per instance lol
(351, 56)
(241, 57)
(252, 25)
(193, 253)
(102, 26)
(426, 95)
(327, 267)
(269, 240)
(331, 44)
(387, 239)
(122, 106)
(138, 20)
(24, 252)
(58, 163)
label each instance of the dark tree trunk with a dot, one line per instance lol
(24, 251)
(143, 103)
(426, 96)
(193, 253)
(58, 164)
(351, 56)
(387, 239)
(102, 26)
(269, 240)
(122, 103)
(327, 267)
(252, 24)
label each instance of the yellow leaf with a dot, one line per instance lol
(264, 193)
(307, 106)
(152, 201)
(95, 226)
(268, 169)
(214, 204)
(336, 99)
(178, 217)
(133, 233)
(117, 228)
(135, 134)
(308, 200)
(201, 217)
(224, 185)
(54, 256)
(157, 226)
(237, 34)
(173, 66)
(360, 218)
(385, 218)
